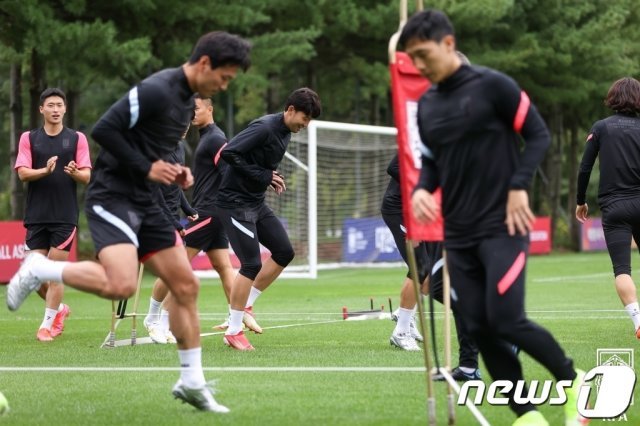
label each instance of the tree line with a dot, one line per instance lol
(564, 53)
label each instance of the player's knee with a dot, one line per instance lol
(186, 289)
(118, 291)
(621, 269)
(284, 256)
(250, 270)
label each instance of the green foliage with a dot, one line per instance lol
(564, 53)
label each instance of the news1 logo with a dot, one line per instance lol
(614, 379)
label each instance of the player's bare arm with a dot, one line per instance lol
(582, 212)
(81, 175)
(424, 205)
(163, 172)
(277, 183)
(184, 179)
(519, 216)
(27, 174)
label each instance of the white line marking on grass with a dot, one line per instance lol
(147, 340)
(280, 326)
(571, 277)
(232, 369)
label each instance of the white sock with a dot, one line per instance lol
(191, 368)
(164, 319)
(404, 319)
(634, 312)
(49, 270)
(154, 310)
(235, 321)
(253, 295)
(47, 321)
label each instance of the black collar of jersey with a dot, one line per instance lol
(184, 83)
(282, 127)
(458, 78)
(206, 129)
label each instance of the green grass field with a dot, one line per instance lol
(309, 366)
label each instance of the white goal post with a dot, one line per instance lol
(336, 177)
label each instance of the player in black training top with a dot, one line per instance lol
(51, 213)
(471, 122)
(171, 199)
(252, 158)
(429, 265)
(617, 140)
(137, 134)
(206, 233)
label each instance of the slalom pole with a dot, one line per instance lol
(431, 400)
(446, 300)
(136, 301)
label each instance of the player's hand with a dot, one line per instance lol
(182, 232)
(193, 218)
(184, 179)
(277, 182)
(582, 212)
(424, 206)
(71, 168)
(51, 164)
(519, 216)
(164, 172)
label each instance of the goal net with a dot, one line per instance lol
(336, 177)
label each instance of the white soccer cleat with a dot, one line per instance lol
(201, 398)
(404, 341)
(155, 330)
(249, 320)
(170, 337)
(413, 329)
(223, 326)
(24, 282)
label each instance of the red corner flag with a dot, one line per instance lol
(407, 85)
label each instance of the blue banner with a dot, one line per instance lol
(368, 240)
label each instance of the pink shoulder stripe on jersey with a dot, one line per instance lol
(83, 159)
(589, 137)
(198, 226)
(23, 159)
(68, 241)
(512, 274)
(217, 157)
(521, 113)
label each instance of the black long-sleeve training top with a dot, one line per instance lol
(252, 156)
(392, 199)
(207, 169)
(472, 125)
(617, 140)
(143, 126)
(171, 197)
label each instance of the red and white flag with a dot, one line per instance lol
(407, 85)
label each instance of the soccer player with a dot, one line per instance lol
(429, 263)
(171, 199)
(252, 158)
(51, 214)
(206, 232)
(617, 139)
(471, 122)
(136, 135)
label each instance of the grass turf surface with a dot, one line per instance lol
(318, 370)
